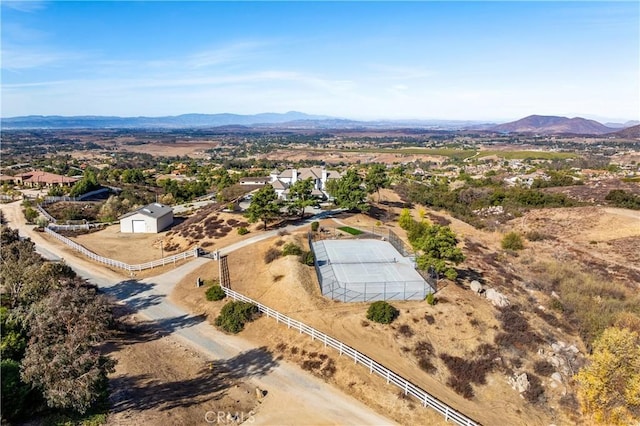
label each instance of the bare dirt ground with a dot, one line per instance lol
(335, 157)
(158, 380)
(189, 149)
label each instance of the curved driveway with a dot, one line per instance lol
(312, 400)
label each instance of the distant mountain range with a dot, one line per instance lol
(543, 124)
(292, 120)
(297, 120)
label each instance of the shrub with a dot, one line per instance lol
(431, 299)
(543, 368)
(271, 255)
(30, 214)
(290, 249)
(382, 312)
(307, 258)
(215, 293)
(234, 315)
(536, 236)
(242, 231)
(405, 330)
(512, 241)
(315, 226)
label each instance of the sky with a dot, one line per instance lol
(493, 61)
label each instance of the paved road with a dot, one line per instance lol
(148, 298)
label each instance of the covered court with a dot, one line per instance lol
(366, 270)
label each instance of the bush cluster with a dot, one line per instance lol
(234, 315)
(291, 249)
(315, 225)
(307, 258)
(271, 255)
(382, 312)
(243, 231)
(464, 372)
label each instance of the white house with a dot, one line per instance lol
(319, 175)
(149, 219)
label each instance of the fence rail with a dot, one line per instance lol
(122, 265)
(407, 387)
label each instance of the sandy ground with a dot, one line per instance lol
(189, 149)
(159, 380)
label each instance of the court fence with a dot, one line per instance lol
(426, 399)
(331, 287)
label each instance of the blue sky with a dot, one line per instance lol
(426, 60)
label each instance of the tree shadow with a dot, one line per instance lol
(147, 331)
(142, 392)
(126, 289)
(470, 275)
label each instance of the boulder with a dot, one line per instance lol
(476, 287)
(557, 377)
(520, 382)
(498, 300)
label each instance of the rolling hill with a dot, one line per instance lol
(632, 132)
(544, 124)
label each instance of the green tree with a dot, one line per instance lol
(609, 386)
(349, 192)
(300, 196)
(14, 335)
(376, 179)
(14, 391)
(405, 220)
(88, 183)
(437, 245)
(132, 176)
(264, 206)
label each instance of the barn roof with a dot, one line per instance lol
(155, 210)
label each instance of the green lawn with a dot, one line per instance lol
(350, 230)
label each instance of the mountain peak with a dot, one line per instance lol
(551, 124)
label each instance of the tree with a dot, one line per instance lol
(14, 391)
(88, 183)
(300, 196)
(405, 220)
(609, 386)
(348, 191)
(62, 357)
(438, 245)
(376, 179)
(264, 206)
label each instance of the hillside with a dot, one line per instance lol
(632, 132)
(552, 125)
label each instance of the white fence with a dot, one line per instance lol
(116, 263)
(359, 358)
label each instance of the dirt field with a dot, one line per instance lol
(140, 248)
(189, 149)
(336, 157)
(158, 380)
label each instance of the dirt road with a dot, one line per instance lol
(294, 397)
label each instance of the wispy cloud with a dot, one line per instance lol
(234, 52)
(27, 6)
(16, 57)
